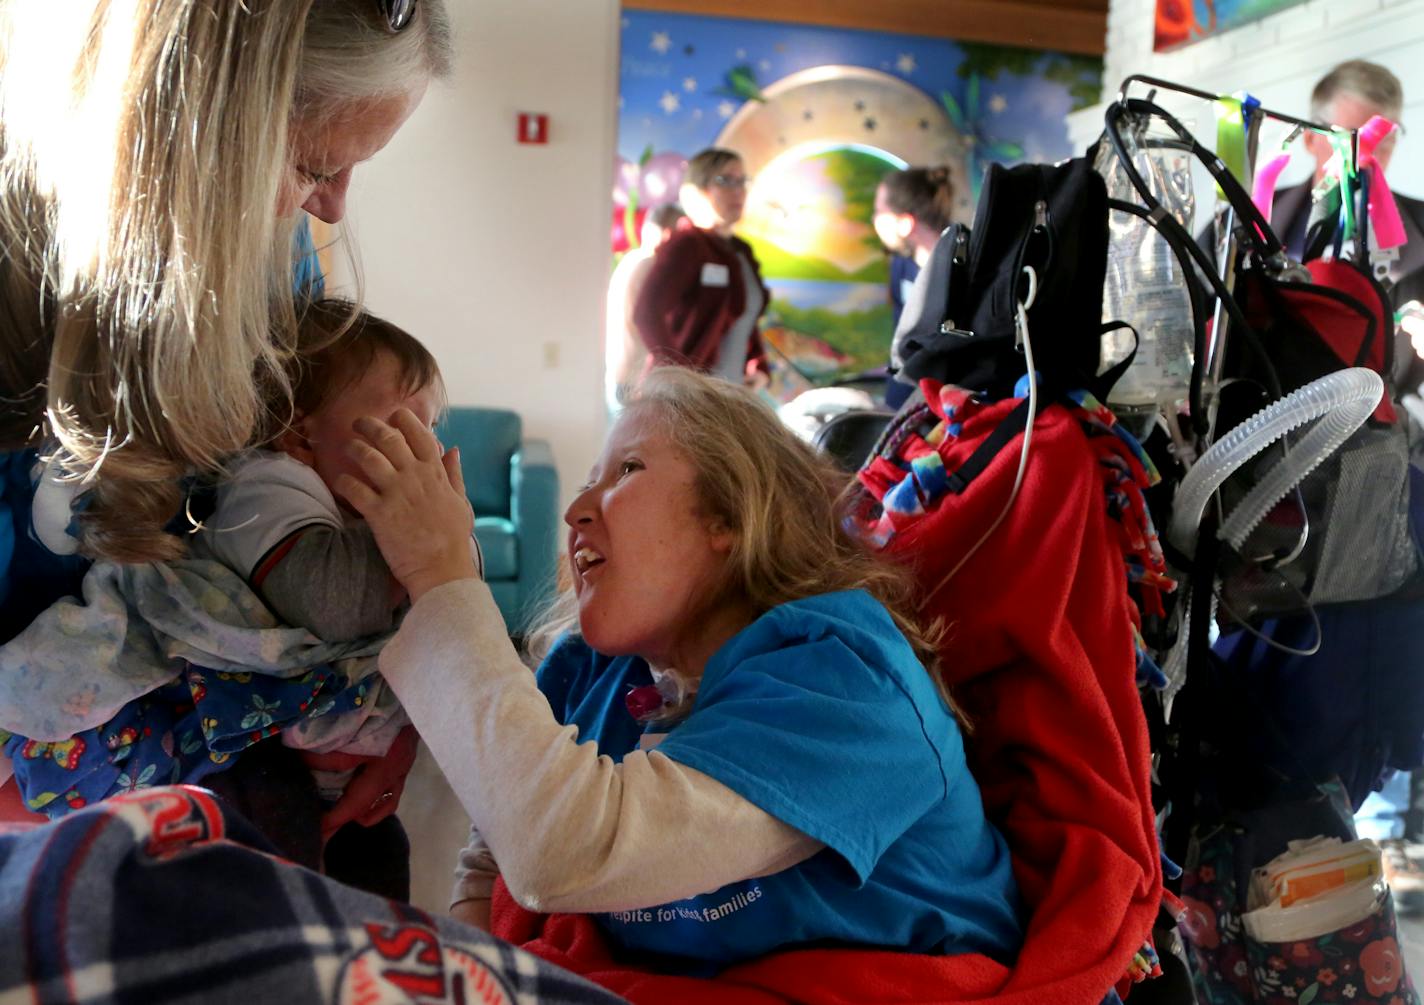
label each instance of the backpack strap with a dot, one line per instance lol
(1103, 383)
(1009, 426)
(1251, 224)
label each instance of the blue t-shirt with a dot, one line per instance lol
(820, 714)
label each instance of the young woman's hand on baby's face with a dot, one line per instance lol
(413, 497)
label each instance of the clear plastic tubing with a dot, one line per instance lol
(1340, 401)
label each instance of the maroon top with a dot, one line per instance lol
(693, 296)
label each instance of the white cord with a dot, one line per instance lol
(1022, 309)
(195, 525)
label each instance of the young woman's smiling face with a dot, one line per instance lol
(649, 565)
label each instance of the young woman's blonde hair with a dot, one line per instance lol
(146, 305)
(786, 504)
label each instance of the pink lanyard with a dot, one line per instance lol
(1385, 224)
(1384, 214)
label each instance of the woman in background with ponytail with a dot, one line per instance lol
(912, 208)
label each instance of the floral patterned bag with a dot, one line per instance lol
(1359, 963)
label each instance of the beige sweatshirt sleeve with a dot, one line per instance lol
(569, 829)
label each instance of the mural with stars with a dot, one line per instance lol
(819, 115)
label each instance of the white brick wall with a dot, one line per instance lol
(1277, 59)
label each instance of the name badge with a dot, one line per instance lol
(715, 274)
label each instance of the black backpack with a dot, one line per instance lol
(1051, 218)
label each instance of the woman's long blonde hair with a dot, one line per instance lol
(146, 306)
(786, 504)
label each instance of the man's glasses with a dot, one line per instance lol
(396, 12)
(732, 181)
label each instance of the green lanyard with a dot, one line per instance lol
(1231, 139)
(1349, 178)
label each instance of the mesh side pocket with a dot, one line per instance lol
(1366, 551)
(1359, 544)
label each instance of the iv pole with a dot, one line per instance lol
(1227, 222)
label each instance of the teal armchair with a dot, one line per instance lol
(514, 489)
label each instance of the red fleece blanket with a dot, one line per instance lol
(1040, 657)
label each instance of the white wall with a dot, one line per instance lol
(495, 254)
(1277, 59)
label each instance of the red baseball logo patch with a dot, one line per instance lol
(177, 817)
(407, 964)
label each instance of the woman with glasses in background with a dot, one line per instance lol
(701, 302)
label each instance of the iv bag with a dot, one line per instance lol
(1145, 285)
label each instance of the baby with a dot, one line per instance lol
(277, 521)
(166, 672)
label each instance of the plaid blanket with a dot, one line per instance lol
(162, 896)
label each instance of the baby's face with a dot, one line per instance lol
(325, 434)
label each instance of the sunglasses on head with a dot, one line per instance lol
(397, 13)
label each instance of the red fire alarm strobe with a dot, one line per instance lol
(533, 128)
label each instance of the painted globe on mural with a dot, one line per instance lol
(818, 143)
(808, 219)
(819, 116)
(850, 108)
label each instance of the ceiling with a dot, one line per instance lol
(1078, 26)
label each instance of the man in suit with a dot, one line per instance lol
(1348, 96)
